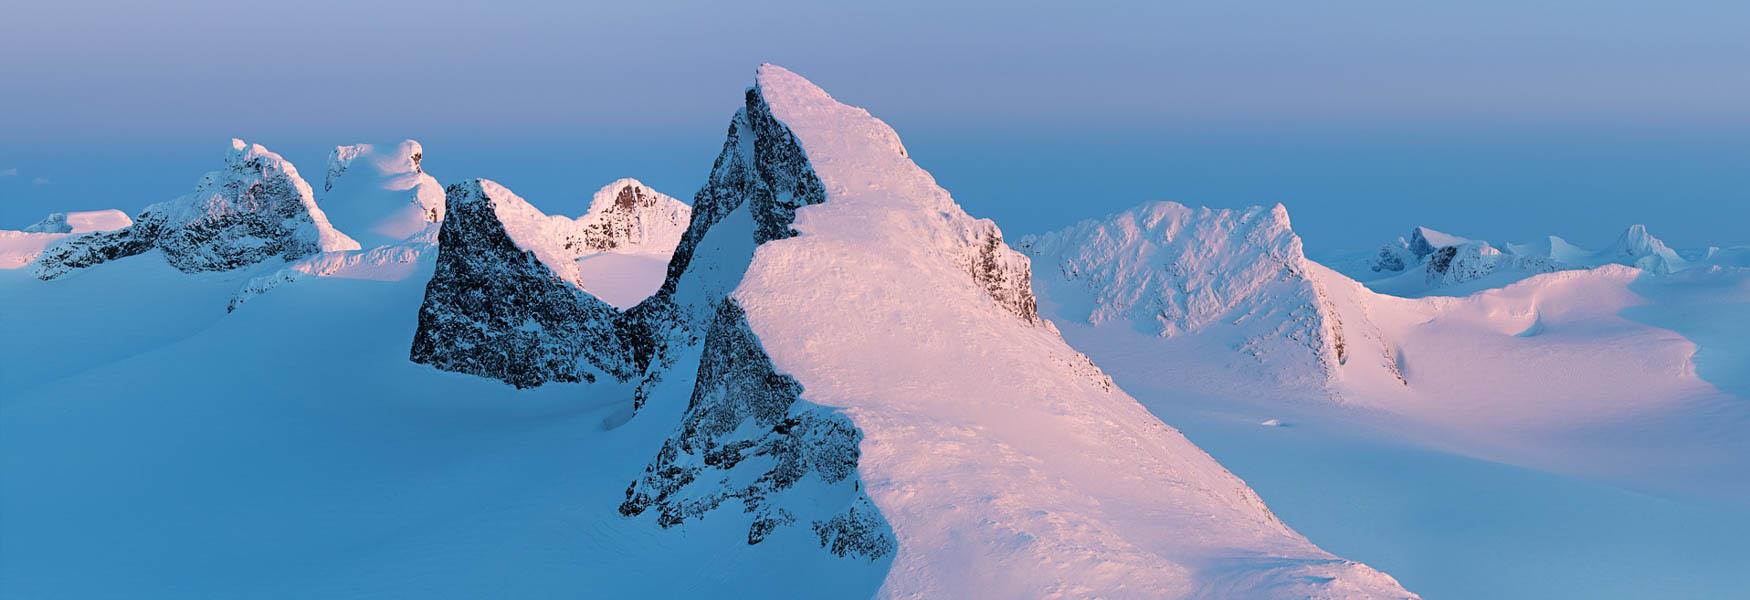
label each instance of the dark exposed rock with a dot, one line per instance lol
(761, 166)
(256, 209)
(762, 169)
(494, 309)
(619, 221)
(1420, 246)
(741, 408)
(785, 180)
(1393, 257)
(1006, 275)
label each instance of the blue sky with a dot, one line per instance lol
(1504, 120)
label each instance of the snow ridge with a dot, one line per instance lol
(975, 404)
(255, 209)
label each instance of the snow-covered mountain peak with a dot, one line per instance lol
(1638, 248)
(1172, 269)
(379, 194)
(864, 167)
(1238, 278)
(1424, 241)
(627, 216)
(506, 299)
(858, 253)
(405, 158)
(256, 208)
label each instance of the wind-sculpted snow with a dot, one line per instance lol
(381, 195)
(257, 208)
(747, 437)
(1168, 270)
(504, 301)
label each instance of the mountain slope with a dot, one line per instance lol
(1548, 372)
(1004, 462)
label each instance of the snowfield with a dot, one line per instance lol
(1616, 394)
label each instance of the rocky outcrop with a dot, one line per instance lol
(760, 174)
(627, 216)
(761, 168)
(504, 301)
(1007, 275)
(749, 439)
(257, 208)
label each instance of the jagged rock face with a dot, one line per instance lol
(256, 209)
(745, 422)
(785, 180)
(1007, 275)
(761, 173)
(760, 167)
(496, 307)
(748, 437)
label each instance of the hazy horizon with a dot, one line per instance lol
(1501, 122)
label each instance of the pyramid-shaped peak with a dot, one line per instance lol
(627, 194)
(770, 78)
(1637, 236)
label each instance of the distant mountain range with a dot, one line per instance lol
(821, 374)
